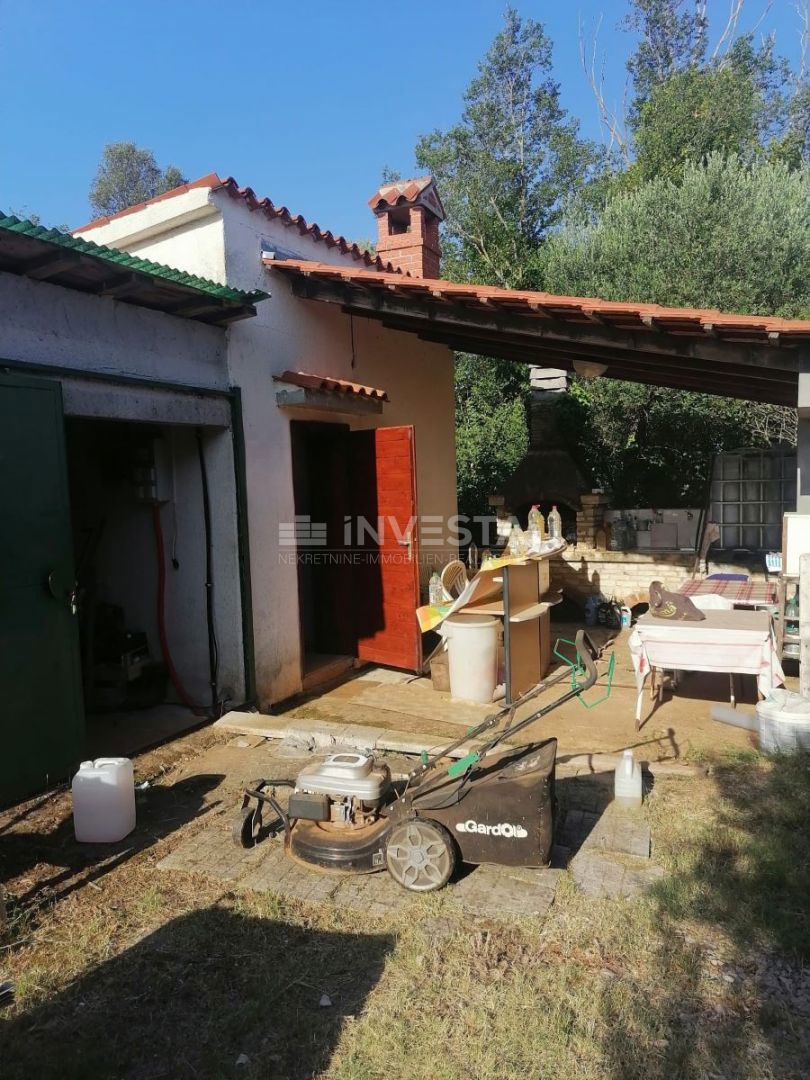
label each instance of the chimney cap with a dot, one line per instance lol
(420, 191)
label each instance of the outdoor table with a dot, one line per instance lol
(743, 593)
(732, 642)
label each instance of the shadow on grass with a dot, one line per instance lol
(731, 996)
(190, 999)
(161, 810)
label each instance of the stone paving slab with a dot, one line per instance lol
(575, 827)
(492, 891)
(502, 890)
(600, 876)
(624, 832)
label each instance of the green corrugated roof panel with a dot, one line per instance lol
(129, 262)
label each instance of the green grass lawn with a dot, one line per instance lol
(150, 974)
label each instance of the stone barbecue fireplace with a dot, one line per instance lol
(547, 475)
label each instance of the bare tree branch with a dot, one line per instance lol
(803, 11)
(726, 39)
(775, 423)
(611, 123)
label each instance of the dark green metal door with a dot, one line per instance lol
(41, 714)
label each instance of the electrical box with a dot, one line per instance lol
(152, 473)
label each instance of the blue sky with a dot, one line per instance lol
(304, 102)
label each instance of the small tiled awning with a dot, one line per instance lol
(301, 389)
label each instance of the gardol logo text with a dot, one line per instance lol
(510, 832)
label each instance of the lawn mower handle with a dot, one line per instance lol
(586, 654)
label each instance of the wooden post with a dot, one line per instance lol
(804, 625)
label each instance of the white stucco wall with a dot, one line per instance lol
(308, 336)
(47, 324)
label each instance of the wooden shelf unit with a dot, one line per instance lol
(519, 594)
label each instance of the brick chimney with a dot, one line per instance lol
(408, 213)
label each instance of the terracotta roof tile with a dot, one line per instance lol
(335, 386)
(267, 207)
(695, 322)
(404, 192)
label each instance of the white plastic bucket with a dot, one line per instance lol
(784, 722)
(473, 656)
(103, 800)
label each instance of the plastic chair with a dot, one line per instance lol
(454, 579)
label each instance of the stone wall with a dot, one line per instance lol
(626, 575)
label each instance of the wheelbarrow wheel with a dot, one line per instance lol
(420, 855)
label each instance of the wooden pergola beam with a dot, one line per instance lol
(540, 354)
(620, 368)
(420, 314)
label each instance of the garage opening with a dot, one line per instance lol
(146, 549)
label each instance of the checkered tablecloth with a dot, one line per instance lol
(739, 592)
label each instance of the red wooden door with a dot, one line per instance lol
(382, 479)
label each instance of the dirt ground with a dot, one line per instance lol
(121, 969)
(680, 728)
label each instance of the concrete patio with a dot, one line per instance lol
(381, 709)
(607, 850)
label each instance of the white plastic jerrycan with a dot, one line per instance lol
(104, 800)
(627, 781)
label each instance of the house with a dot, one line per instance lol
(183, 461)
(235, 431)
(315, 382)
(114, 404)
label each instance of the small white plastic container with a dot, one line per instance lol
(103, 800)
(473, 656)
(627, 781)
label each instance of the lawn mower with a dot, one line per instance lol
(495, 804)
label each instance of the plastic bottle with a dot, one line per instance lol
(472, 557)
(627, 781)
(536, 520)
(517, 541)
(436, 591)
(555, 524)
(103, 800)
(792, 614)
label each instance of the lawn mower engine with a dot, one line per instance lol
(336, 808)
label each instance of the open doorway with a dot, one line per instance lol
(143, 538)
(321, 485)
(357, 547)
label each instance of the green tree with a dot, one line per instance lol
(503, 172)
(505, 168)
(726, 235)
(491, 431)
(127, 175)
(673, 36)
(735, 105)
